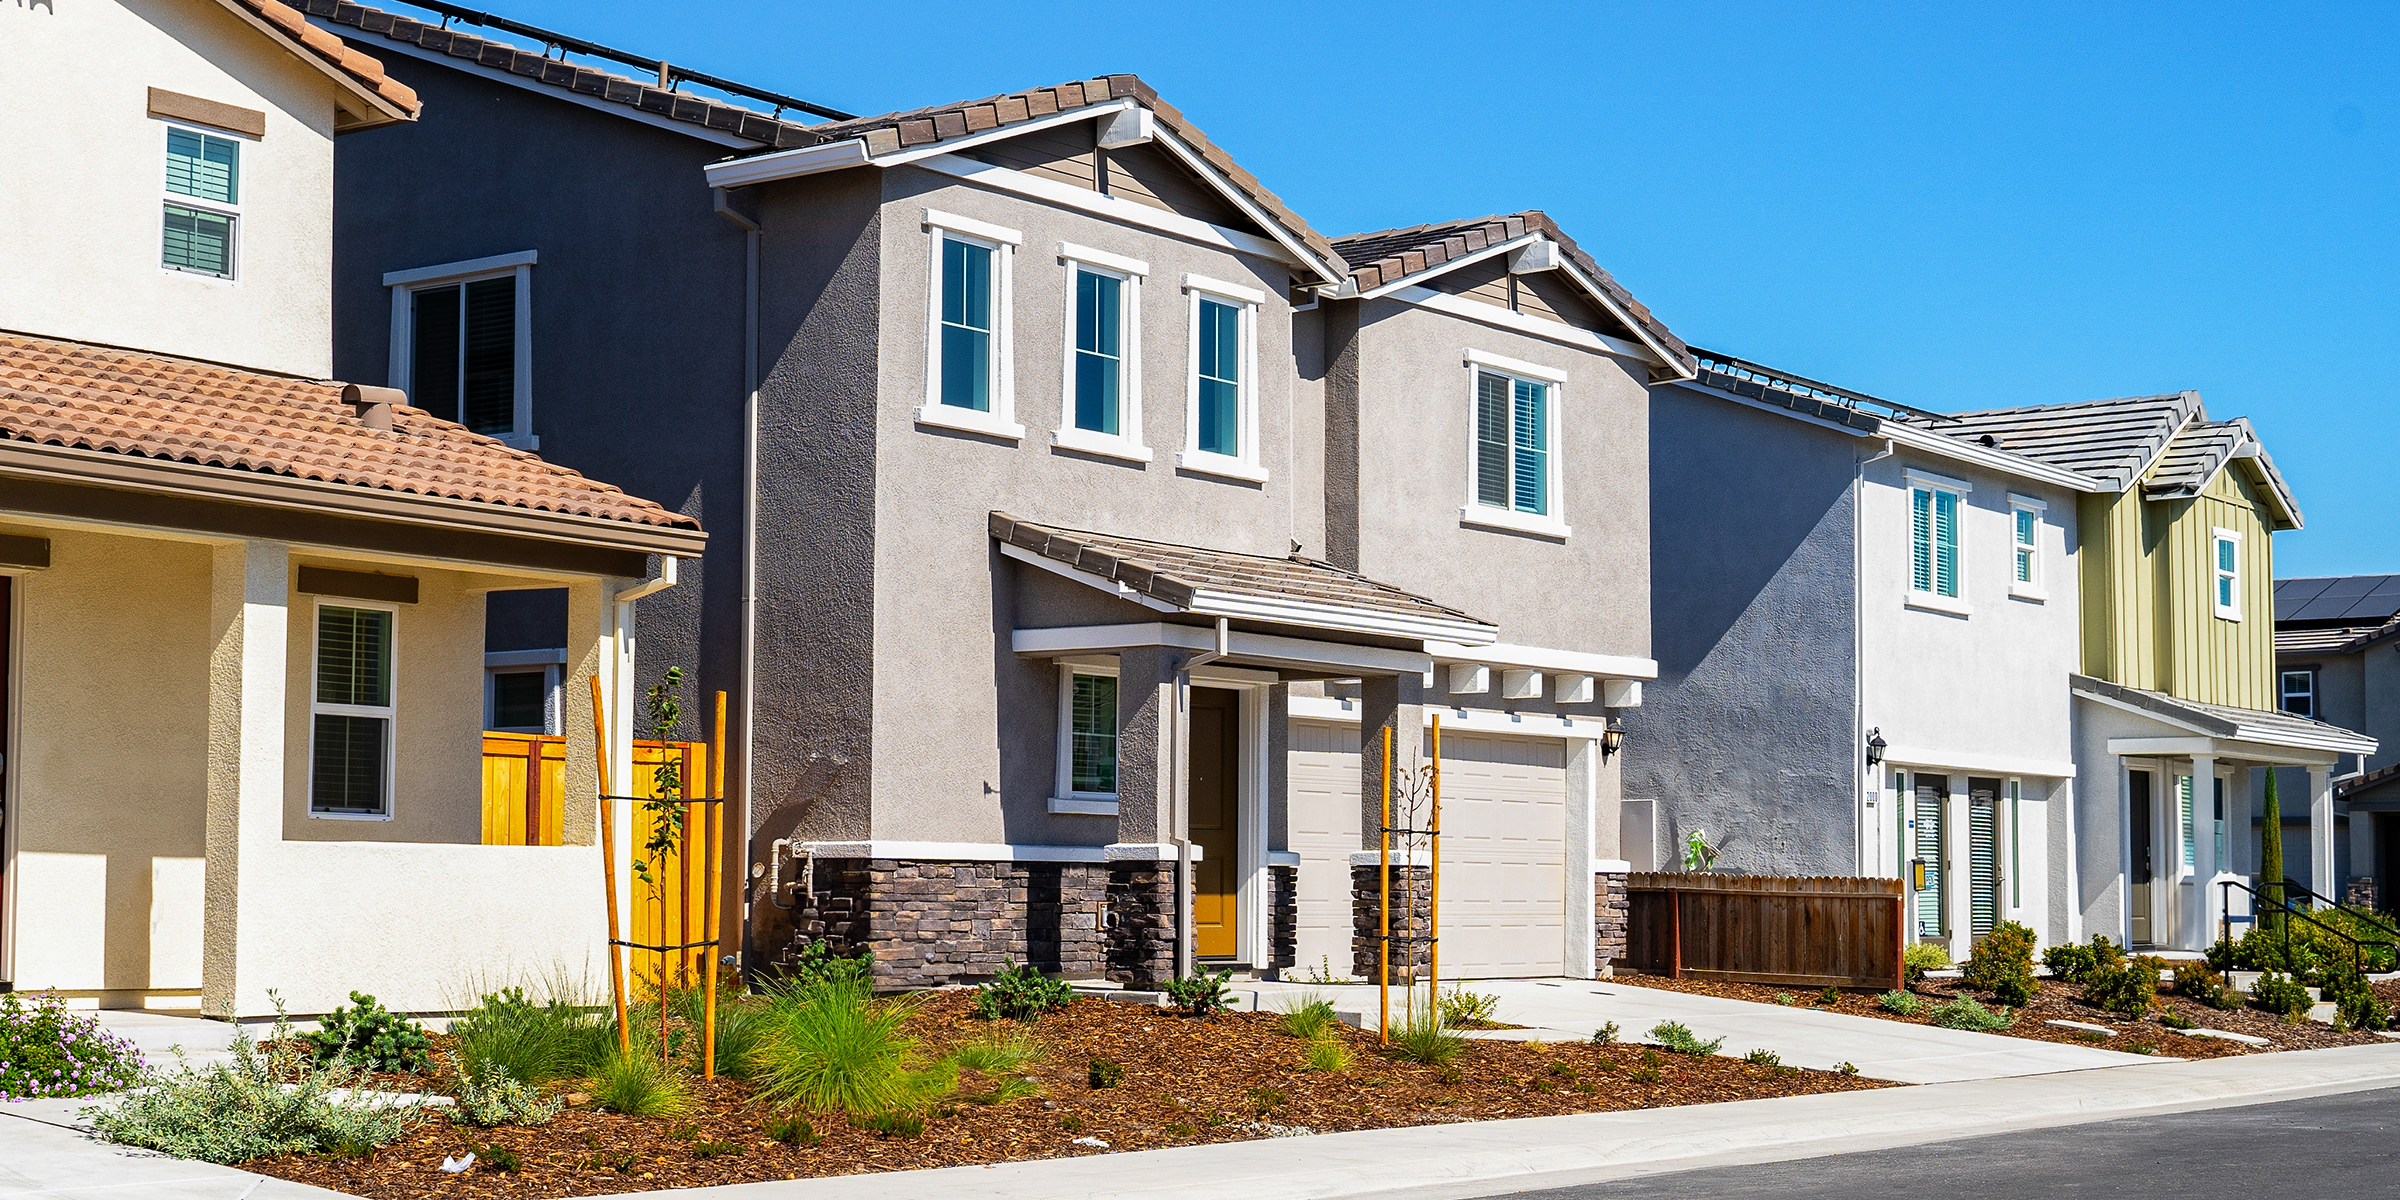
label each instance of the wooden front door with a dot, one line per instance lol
(1215, 806)
(2137, 883)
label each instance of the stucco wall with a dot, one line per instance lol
(1748, 731)
(80, 215)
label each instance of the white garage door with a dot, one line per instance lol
(1503, 845)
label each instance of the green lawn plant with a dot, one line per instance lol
(2003, 964)
(1202, 993)
(741, 1024)
(1020, 993)
(370, 1036)
(835, 1048)
(1677, 1038)
(998, 1054)
(1906, 1004)
(1606, 1035)
(634, 1082)
(1422, 1036)
(489, 1097)
(1969, 1014)
(1327, 1053)
(534, 1043)
(47, 1052)
(1916, 958)
(1307, 1016)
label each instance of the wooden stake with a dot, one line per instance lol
(715, 876)
(1433, 966)
(608, 866)
(1383, 945)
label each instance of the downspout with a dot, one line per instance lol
(737, 818)
(1181, 829)
(1858, 660)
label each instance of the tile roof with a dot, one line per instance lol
(2227, 721)
(154, 406)
(2356, 784)
(1386, 256)
(2113, 441)
(330, 54)
(2330, 640)
(2367, 600)
(1223, 582)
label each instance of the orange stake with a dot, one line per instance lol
(714, 876)
(1433, 966)
(608, 867)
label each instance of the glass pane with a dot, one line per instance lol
(203, 166)
(199, 241)
(1945, 511)
(2225, 554)
(347, 770)
(354, 656)
(1220, 336)
(1093, 737)
(966, 368)
(1097, 362)
(1220, 407)
(433, 362)
(2184, 812)
(966, 285)
(1096, 312)
(2024, 566)
(2024, 527)
(1530, 428)
(520, 700)
(2225, 591)
(490, 372)
(1491, 440)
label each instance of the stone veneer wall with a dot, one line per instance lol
(1141, 923)
(1366, 917)
(1283, 918)
(1611, 910)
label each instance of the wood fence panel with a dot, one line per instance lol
(1809, 932)
(513, 814)
(666, 907)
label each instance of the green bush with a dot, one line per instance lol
(1201, 993)
(489, 1097)
(1307, 1015)
(2003, 964)
(260, 1102)
(369, 1036)
(1966, 1013)
(638, 1085)
(1605, 1035)
(1677, 1038)
(2172, 1021)
(533, 1043)
(1104, 1073)
(1328, 1054)
(2280, 994)
(795, 1132)
(818, 962)
(1462, 1007)
(741, 1022)
(2129, 988)
(1907, 1004)
(1916, 958)
(1830, 997)
(2316, 945)
(2069, 962)
(1424, 1037)
(1021, 993)
(44, 1052)
(834, 1048)
(2195, 982)
(1763, 1058)
(2355, 1000)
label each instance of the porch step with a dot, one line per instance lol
(2086, 1026)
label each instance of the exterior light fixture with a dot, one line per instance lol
(1875, 746)
(1612, 739)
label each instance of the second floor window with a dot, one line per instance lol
(1099, 352)
(2300, 693)
(1218, 428)
(967, 310)
(969, 377)
(2225, 551)
(1933, 540)
(462, 343)
(1512, 443)
(1101, 408)
(2025, 561)
(1221, 404)
(203, 202)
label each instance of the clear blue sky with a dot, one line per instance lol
(2038, 203)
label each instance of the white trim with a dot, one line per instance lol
(1984, 456)
(937, 219)
(1000, 419)
(1515, 366)
(1927, 479)
(1648, 348)
(1467, 720)
(2021, 500)
(1071, 252)
(970, 420)
(1517, 322)
(1553, 522)
(2031, 588)
(1914, 759)
(1933, 598)
(1128, 272)
(1000, 133)
(1085, 441)
(389, 713)
(1080, 805)
(2246, 742)
(1222, 289)
(787, 164)
(1956, 606)
(1417, 279)
(552, 707)
(993, 851)
(1657, 352)
(1206, 170)
(1287, 611)
(1542, 658)
(1252, 647)
(1244, 464)
(1067, 195)
(1490, 517)
(495, 264)
(1063, 789)
(2217, 537)
(1223, 466)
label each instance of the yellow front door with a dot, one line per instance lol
(1215, 801)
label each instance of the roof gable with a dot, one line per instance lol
(2112, 441)
(375, 98)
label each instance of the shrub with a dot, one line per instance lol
(1785, 999)
(892, 1124)
(1676, 1037)
(836, 1049)
(638, 1085)
(1201, 993)
(490, 1097)
(2003, 964)
(1830, 997)
(1763, 1058)
(2354, 999)
(2195, 982)
(741, 1022)
(1966, 1013)
(368, 1035)
(1105, 1073)
(1307, 1016)
(1919, 957)
(1845, 1068)
(1021, 993)
(1907, 1004)
(1605, 1035)
(2172, 1021)
(260, 1102)
(1328, 1054)
(46, 1052)
(2281, 994)
(793, 1131)
(1423, 1038)
(2069, 962)
(1464, 1008)
(533, 1043)
(2308, 948)
(819, 963)
(997, 1055)
(2128, 988)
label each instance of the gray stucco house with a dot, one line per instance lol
(1096, 510)
(2335, 661)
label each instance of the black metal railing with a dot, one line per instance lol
(2260, 901)
(1712, 362)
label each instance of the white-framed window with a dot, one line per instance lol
(521, 690)
(2222, 854)
(1087, 741)
(1936, 563)
(2025, 546)
(2016, 813)
(2225, 564)
(202, 202)
(970, 374)
(2183, 812)
(2300, 693)
(1514, 455)
(1101, 407)
(1221, 380)
(352, 711)
(462, 343)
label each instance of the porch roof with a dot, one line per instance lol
(2225, 721)
(1299, 592)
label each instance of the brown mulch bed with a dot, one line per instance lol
(2059, 1001)
(1231, 1078)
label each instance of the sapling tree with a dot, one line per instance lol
(2270, 857)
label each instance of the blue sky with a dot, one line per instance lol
(1950, 209)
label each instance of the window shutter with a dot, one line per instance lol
(1929, 847)
(490, 365)
(1945, 511)
(1532, 465)
(1491, 440)
(1920, 534)
(2183, 806)
(1983, 867)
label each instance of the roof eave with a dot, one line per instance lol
(378, 109)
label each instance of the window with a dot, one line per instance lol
(1933, 550)
(461, 335)
(1221, 405)
(2300, 693)
(1102, 410)
(2226, 560)
(2220, 824)
(968, 378)
(1512, 460)
(1087, 742)
(2025, 547)
(2016, 813)
(203, 202)
(2183, 812)
(350, 714)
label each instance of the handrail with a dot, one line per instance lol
(2291, 885)
(2225, 921)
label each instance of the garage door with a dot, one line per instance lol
(1503, 848)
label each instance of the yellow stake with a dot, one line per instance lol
(608, 865)
(1383, 945)
(714, 875)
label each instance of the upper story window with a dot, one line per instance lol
(969, 376)
(2225, 562)
(2300, 693)
(1221, 395)
(1102, 408)
(1513, 461)
(1934, 507)
(462, 338)
(351, 713)
(203, 202)
(521, 690)
(2025, 546)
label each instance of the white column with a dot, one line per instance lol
(1583, 795)
(1956, 889)
(249, 614)
(2200, 924)
(2362, 845)
(2321, 874)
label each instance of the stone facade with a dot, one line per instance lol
(1410, 886)
(933, 923)
(1611, 910)
(1141, 923)
(1283, 918)
(2360, 893)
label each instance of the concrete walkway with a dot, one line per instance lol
(45, 1153)
(1570, 1009)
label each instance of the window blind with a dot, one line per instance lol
(1491, 439)
(203, 167)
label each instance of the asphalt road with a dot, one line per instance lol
(2326, 1146)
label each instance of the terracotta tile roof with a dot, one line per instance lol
(330, 53)
(1223, 582)
(90, 397)
(1390, 255)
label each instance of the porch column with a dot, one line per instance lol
(249, 617)
(2200, 929)
(2320, 832)
(1958, 897)
(1147, 733)
(1583, 795)
(1396, 703)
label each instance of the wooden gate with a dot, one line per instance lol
(1823, 931)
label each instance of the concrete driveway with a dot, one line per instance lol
(1570, 1009)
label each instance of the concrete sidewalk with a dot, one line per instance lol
(45, 1153)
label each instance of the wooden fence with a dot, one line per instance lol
(524, 789)
(1825, 931)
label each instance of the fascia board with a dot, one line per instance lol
(339, 77)
(1296, 652)
(1207, 602)
(1088, 579)
(787, 164)
(1984, 456)
(1462, 720)
(2150, 714)
(1067, 195)
(1249, 208)
(1912, 758)
(1781, 411)
(1542, 658)
(1517, 322)
(2224, 748)
(1593, 289)
(1001, 133)
(1385, 289)
(2341, 741)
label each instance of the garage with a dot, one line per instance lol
(1503, 849)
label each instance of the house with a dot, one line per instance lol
(244, 602)
(1865, 620)
(2332, 637)
(1093, 520)
(2176, 707)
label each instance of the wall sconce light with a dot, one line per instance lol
(1612, 739)
(1875, 746)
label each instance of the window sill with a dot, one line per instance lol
(1222, 465)
(2223, 615)
(2027, 591)
(971, 420)
(1936, 602)
(1515, 522)
(1109, 445)
(527, 442)
(328, 816)
(1084, 806)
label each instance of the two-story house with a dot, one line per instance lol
(242, 604)
(2334, 662)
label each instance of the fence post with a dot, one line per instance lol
(1674, 933)
(1900, 939)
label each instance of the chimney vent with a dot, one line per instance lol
(373, 404)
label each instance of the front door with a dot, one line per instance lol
(1983, 856)
(1215, 803)
(2137, 889)
(1933, 796)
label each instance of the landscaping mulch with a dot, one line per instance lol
(1234, 1077)
(2060, 1001)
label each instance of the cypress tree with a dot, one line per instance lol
(2270, 851)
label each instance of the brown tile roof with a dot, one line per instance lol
(330, 54)
(2336, 640)
(1201, 580)
(1384, 257)
(153, 406)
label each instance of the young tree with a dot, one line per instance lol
(2270, 852)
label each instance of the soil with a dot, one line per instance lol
(2061, 1001)
(1187, 1081)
